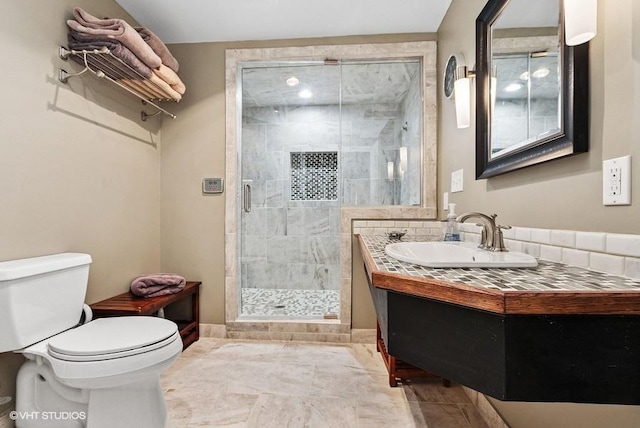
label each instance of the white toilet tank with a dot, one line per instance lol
(40, 297)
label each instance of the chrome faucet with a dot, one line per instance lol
(491, 238)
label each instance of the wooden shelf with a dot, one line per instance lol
(129, 304)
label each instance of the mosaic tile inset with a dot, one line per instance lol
(314, 176)
(548, 276)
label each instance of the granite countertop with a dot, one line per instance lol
(550, 288)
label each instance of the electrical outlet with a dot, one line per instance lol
(456, 181)
(445, 201)
(616, 181)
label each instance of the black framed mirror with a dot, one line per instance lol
(532, 90)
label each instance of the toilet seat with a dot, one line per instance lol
(84, 358)
(109, 338)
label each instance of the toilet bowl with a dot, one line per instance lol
(104, 373)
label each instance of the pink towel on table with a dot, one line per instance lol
(157, 284)
(116, 29)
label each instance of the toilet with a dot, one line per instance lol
(93, 374)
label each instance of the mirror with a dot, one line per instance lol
(532, 91)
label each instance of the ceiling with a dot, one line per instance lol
(193, 21)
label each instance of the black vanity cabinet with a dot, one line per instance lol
(497, 348)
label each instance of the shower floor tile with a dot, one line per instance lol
(290, 303)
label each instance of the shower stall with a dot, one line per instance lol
(315, 137)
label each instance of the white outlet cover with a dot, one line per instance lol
(457, 179)
(616, 181)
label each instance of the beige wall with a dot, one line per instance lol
(570, 189)
(78, 170)
(562, 194)
(194, 148)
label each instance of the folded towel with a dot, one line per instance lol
(78, 41)
(139, 87)
(169, 76)
(157, 284)
(159, 48)
(116, 29)
(164, 87)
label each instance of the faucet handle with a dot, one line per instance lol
(498, 239)
(483, 236)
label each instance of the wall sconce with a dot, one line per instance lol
(493, 88)
(390, 170)
(580, 21)
(403, 161)
(462, 94)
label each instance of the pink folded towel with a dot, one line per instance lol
(157, 284)
(159, 48)
(79, 41)
(116, 29)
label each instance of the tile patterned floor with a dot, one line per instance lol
(301, 304)
(230, 383)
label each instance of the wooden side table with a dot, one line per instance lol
(129, 304)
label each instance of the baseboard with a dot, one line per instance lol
(488, 413)
(363, 335)
(218, 331)
(321, 333)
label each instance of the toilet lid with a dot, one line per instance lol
(107, 338)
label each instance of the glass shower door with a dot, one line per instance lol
(290, 212)
(316, 138)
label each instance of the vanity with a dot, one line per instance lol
(554, 333)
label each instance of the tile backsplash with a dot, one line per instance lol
(617, 254)
(428, 228)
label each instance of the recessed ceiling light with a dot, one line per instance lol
(305, 93)
(513, 87)
(540, 73)
(524, 76)
(293, 81)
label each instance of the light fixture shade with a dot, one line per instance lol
(403, 159)
(580, 21)
(390, 170)
(493, 90)
(462, 93)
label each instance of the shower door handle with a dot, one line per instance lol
(247, 198)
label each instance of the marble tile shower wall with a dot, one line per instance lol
(287, 244)
(295, 244)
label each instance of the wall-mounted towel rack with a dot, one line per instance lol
(101, 63)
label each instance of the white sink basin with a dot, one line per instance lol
(456, 254)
